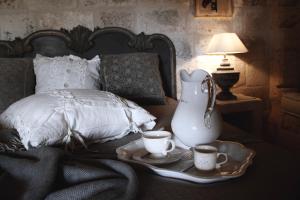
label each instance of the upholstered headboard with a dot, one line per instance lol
(85, 43)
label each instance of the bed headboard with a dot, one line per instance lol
(86, 43)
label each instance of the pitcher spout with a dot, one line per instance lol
(184, 75)
(196, 75)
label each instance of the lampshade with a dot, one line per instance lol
(226, 43)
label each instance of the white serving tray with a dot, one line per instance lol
(239, 158)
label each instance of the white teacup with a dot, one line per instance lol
(205, 157)
(157, 143)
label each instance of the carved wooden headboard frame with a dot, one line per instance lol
(85, 43)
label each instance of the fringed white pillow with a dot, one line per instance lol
(54, 117)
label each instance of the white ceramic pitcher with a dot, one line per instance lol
(196, 121)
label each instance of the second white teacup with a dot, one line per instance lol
(158, 142)
(205, 157)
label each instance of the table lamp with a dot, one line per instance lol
(226, 76)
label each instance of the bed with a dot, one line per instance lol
(274, 173)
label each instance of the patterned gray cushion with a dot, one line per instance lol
(134, 76)
(17, 80)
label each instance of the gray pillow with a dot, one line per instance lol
(17, 80)
(134, 76)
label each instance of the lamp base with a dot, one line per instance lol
(226, 95)
(225, 80)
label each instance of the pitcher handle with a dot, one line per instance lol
(212, 96)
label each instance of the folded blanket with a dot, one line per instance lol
(50, 173)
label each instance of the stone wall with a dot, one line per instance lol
(285, 45)
(251, 21)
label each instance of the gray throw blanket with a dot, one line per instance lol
(50, 173)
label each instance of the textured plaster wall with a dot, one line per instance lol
(251, 21)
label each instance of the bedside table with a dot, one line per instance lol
(245, 112)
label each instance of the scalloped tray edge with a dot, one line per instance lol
(121, 152)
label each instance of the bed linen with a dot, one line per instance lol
(52, 174)
(134, 76)
(59, 116)
(17, 80)
(66, 72)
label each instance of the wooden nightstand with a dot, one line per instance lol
(245, 112)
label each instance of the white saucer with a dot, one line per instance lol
(143, 156)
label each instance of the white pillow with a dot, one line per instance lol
(44, 119)
(67, 72)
